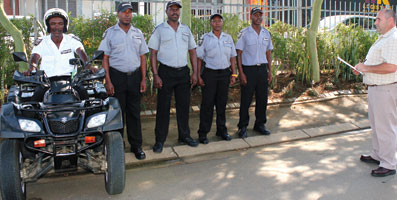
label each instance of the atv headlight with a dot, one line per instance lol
(29, 125)
(96, 121)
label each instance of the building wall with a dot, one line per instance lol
(8, 8)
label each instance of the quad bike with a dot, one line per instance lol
(62, 133)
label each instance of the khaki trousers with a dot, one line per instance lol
(382, 113)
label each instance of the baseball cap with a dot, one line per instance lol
(255, 10)
(171, 3)
(124, 6)
(216, 15)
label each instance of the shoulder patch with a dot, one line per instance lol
(75, 37)
(104, 34)
(241, 32)
(37, 41)
(201, 40)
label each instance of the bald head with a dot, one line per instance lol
(385, 21)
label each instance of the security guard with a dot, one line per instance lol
(219, 54)
(169, 44)
(55, 50)
(254, 52)
(125, 64)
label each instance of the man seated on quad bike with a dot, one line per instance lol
(55, 50)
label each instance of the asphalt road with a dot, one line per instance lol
(319, 168)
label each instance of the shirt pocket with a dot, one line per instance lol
(137, 42)
(166, 39)
(210, 50)
(227, 46)
(117, 47)
(265, 42)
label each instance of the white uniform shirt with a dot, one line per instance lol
(172, 46)
(54, 61)
(254, 46)
(124, 49)
(384, 50)
(215, 52)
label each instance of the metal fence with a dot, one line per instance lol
(294, 12)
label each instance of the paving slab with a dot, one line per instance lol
(167, 154)
(364, 123)
(276, 138)
(330, 129)
(212, 147)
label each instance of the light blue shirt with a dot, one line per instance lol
(215, 52)
(254, 46)
(172, 46)
(124, 49)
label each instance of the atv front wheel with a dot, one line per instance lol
(114, 153)
(11, 159)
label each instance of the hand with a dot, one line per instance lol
(158, 83)
(360, 67)
(93, 69)
(143, 86)
(269, 77)
(193, 80)
(28, 72)
(200, 81)
(109, 88)
(232, 80)
(243, 79)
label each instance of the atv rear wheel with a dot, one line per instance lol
(11, 160)
(114, 153)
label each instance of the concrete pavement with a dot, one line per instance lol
(289, 120)
(325, 168)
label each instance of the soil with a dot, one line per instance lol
(285, 87)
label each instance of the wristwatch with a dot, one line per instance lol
(234, 75)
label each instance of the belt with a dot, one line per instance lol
(382, 85)
(257, 65)
(126, 73)
(173, 68)
(216, 70)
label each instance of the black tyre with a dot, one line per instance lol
(114, 153)
(11, 160)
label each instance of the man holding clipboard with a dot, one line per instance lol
(381, 77)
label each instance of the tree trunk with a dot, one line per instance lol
(186, 13)
(311, 39)
(15, 33)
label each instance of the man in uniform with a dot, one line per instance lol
(219, 54)
(254, 52)
(169, 44)
(55, 50)
(381, 77)
(125, 64)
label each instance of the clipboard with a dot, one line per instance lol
(351, 66)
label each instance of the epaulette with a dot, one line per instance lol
(156, 27)
(104, 33)
(37, 41)
(75, 37)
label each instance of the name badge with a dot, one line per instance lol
(66, 51)
(266, 39)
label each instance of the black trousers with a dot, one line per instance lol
(175, 80)
(127, 91)
(214, 93)
(257, 84)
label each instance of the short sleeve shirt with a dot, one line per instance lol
(254, 46)
(54, 60)
(124, 49)
(384, 50)
(172, 46)
(216, 52)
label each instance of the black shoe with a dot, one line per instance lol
(242, 132)
(158, 147)
(261, 129)
(224, 136)
(139, 154)
(189, 141)
(382, 172)
(203, 140)
(369, 159)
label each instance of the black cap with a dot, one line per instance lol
(255, 10)
(124, 6)
(171, 3)
(216, 15)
